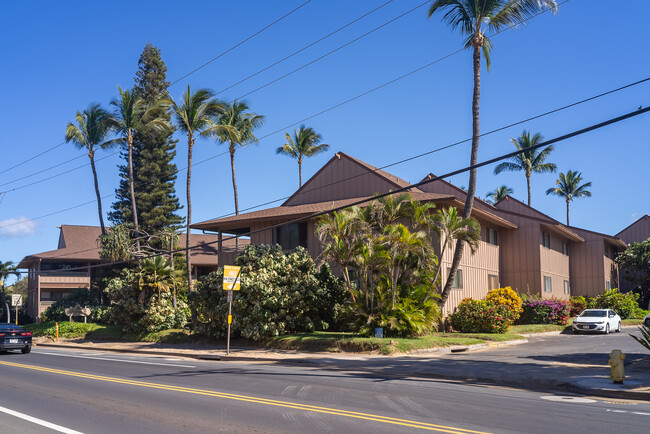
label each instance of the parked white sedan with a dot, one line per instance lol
(597, 320)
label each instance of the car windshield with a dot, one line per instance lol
(599, 313)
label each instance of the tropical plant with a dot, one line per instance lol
(568, 186)
(132, 115)
(625, 304)
(635, 264)
(241, 125)
(115, 245)
(480, 316)
(499, 193)
(474, 18)
(7, 268)
(529, 160)
(93, 127)
(196, 115)
(304, 143)
(645, 339)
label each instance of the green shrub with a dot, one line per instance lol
(507, 298)
(138, 314)
(82, 297)
(625, 305)
(409, 318)
(279, 294)
(481, 316)
(539, 310)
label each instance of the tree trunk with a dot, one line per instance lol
(171, 262)
(91, 155)
(299, 172)
(190, 143)
(134, 210)
(393, 287)
(346, 275)
(477, 42)
(528, 184)
(567, 212)
(234, 181)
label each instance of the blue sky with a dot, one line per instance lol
(56, 60)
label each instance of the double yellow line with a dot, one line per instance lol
(284, 404)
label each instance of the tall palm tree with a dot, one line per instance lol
(499, 193)
(93, 126)
(196, 115)
(473, 18)
(6, 268)
(568, 186)
(532, 160)
(304, 143)
(132, 115)
(242, 124)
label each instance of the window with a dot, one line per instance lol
(567, 289)
(492, 236)
(547, 284)
(565, 248)
(458, 279)
(608, 285)
(546, 239)
(291, 236)
(493, 281)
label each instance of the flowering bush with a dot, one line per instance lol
(480, 316)
(537, 310)
(508, 298)
(579, 303)
(279, 294)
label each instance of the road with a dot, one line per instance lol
(94, 392)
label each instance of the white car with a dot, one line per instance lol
(646, 320)
(597, 320)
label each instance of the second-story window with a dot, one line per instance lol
(291, 236)
(492, 236)
(546, 239)
(565, 248)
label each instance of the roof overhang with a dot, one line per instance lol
(563, 231)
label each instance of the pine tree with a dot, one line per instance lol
(154, 172)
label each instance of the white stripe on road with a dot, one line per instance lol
(40, 422)
(116, 360)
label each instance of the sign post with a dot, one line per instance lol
(16, 301)
(231, 280)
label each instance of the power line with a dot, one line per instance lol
(238, 44)
(367, 92)
(398, 190)
(303, 48)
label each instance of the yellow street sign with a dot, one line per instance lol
(231, 274)
(229, 319)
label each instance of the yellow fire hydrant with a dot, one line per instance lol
(616, 358)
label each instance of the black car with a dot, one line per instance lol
(13, 337)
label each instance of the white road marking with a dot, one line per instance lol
(116, 360)
(630, 412)
(575, 399)
(41, 422)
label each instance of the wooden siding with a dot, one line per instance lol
(590, 268)
(341, 179)
(637, 231)
(443, 187)
(54, 281)
(555, 265)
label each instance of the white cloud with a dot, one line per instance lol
(17, 227)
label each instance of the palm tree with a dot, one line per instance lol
(197, 116)
(158, 275)
(454, 228)
(304, 143)
(529, 161)
(133, 115)
(499, 193)
(93, 126)
(473, 18)
(568, 186)
(6, 268)
(241, 125)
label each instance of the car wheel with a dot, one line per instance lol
(647, 322)
(607, 328)
(618, 329)
(26, 350)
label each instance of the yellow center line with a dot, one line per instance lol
(252, 399)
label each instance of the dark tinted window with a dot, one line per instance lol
(291, 236)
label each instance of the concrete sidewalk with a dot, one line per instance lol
(494, 363)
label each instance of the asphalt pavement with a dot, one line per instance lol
(102, 392)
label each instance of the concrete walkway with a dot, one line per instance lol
(507, 363)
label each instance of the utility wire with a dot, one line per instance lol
(396, 191)
(238, 44)
(303, 48)
(547, 113)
